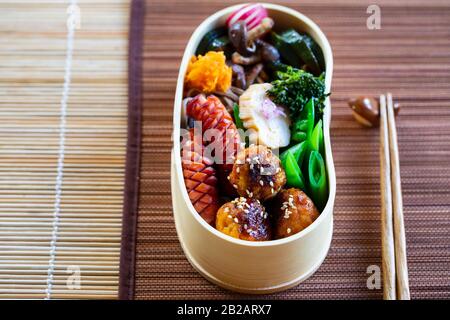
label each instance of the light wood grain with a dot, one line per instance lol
(401, 265)
(32, 56)
(387, 229)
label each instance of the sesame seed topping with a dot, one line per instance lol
(229, 216)
(235, 186)
(288, 230)
(272, 190)
(271, 183)
(246, 211)
(228, 178)
(261, 183)
(238, 169)
(236, 220)
(226, 209)
(245, 226)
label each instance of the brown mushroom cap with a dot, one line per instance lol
(238, 36)
(239, 76)
(268, 52)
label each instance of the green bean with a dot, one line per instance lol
(317, 180)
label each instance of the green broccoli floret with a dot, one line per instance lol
(295, 87)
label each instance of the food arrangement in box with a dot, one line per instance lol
(252, 150)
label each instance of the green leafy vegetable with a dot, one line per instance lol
(302, 46)
(285, 50)
(215, 40)
(294, 88)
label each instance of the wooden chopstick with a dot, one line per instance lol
(401, 266)
(387, 230)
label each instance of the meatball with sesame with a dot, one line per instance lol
(244, 219)
(293, 211)
(257, 173)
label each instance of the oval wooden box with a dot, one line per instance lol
(238, 265)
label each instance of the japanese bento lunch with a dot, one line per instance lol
(253, 150)
(253, 181)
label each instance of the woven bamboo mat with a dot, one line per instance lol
(410, 57)
(32, 68)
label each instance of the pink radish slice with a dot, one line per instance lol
(252, 14)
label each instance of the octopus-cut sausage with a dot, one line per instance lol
(226, 140)
(200, 178)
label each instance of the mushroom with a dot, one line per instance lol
(366, 110)
(254, 72)
(228, 94)
(192, 92)
(265, 26)
(267, 52)
(238, 36)
(239, 75)
(263, 75)
(229, 104)
(239, 59)
(237, 91)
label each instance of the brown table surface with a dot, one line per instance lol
(410, 57)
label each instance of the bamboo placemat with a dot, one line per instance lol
(33, 44)
(408, 56)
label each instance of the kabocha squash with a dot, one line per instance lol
(208, 73)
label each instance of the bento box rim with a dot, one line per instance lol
(326, 48)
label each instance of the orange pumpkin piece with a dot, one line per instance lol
(208, 73)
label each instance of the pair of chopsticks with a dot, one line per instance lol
(394, 265)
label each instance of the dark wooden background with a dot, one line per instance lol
(410, 57)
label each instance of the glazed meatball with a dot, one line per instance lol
(293, 211)
(257, 173)
(244, 219)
